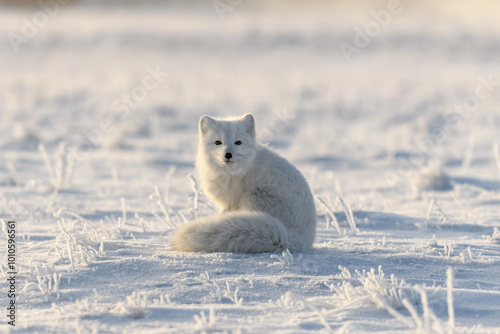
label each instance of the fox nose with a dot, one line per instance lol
(228, 156)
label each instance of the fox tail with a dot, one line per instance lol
(237, 232)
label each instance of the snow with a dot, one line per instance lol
(407, 183)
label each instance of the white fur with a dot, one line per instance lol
(266, 204)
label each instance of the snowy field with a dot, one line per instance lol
(99, 107)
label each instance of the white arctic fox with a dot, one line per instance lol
(265, 202)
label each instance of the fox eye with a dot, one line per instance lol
(237, 143)
(218, 142)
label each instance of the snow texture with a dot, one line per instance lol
(97, 151)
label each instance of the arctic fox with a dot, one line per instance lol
(265, 203)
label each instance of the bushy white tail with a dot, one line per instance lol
(238, 232)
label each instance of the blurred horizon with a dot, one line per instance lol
(442, 9)
(280, 51)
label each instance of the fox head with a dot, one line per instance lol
(228, 143)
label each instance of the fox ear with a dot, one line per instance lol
(206, 123)
(249, 122)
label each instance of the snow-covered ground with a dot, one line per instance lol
(400, 145)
